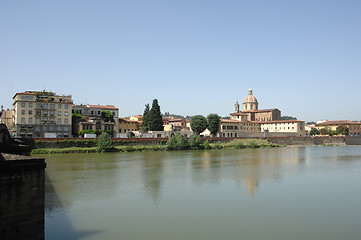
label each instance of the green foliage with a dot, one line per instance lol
(145, 121)
(314, 132)
(343, 130)
(104, 142)
(288, 118)
(107, 116)
(177, 142)
(199, 123)
(206, 145)
(213, 123)
(195, 142)
(155, 117)
(218, 145)
(82, 132)
(324, 131)
(76, 114)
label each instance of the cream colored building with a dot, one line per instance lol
(354, 127)
(252, 122)
(7, 118)
(93, 120)
(38, 114)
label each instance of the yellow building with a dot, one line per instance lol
(354, 127)
(126, 125)
(38, 114)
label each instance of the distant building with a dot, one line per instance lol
(252, 122)
(7, 118)
(354, 127)
(39, 113)
(92, 118)
(126, 125)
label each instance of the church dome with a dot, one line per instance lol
(250, 97)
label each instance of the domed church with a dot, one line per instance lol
(251, 113)
(252, 122)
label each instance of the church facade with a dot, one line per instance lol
(252, 122)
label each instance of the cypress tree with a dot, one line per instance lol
(145, 121)
(155, 117)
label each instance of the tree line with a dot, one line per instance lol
(153, 120)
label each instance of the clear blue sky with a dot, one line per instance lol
(195, 57)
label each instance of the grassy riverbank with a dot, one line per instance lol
(235, 144)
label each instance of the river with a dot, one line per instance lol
(275, 193)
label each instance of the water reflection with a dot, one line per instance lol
(130, 195)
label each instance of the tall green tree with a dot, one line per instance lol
(199, 124)
(145, 121)
(155, 117)
(213, 123)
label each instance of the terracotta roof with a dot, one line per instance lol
(250, 97)
(340, 122)
(230, 121)
(238, 114)
(176, 120)
(279, 121)
(27, 93)
(127, 120)
(263, 110)
(102, 106)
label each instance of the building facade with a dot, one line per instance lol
(42, 114)
(252, 122)
(93, 120)
(354, 127)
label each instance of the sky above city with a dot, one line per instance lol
(194, 56)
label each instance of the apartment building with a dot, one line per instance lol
(93, 120)
(41, 113)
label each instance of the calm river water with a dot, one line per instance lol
(279, 193)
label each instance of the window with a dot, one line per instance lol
(59, 113)
(23, 104)
(30, 121)
(22, 112)
(45, 106)
(38, 105)
(52, 106)
(30, 104)
(45, 113)
(23, 120)
(59, 106)
(66, 113)
(66, 106)
(37, 121)
(59, 120)
(66, 121)
(30, 112)
(52, 114)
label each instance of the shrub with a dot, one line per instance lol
(195, 142)
(104, 142)
(177, 142)
(206, 145)
(218, 145)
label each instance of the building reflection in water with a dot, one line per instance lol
(250, 166)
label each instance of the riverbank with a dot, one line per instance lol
(161, 146)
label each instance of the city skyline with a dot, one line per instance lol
(195, 57)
